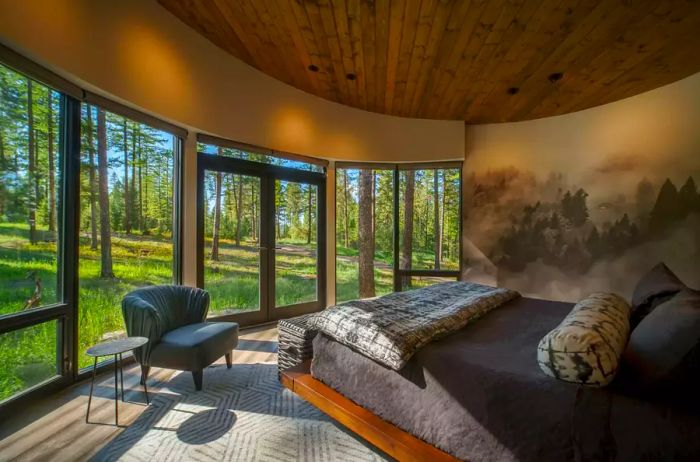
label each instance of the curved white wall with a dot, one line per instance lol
(135, 51)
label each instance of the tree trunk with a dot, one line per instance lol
(37, 174)
(443, 225)
(106, 270)
(141, 227)
(133, 175)
(3, 168)
(254, 208)
(239, 210)
(309, 217)
(278, 207)
(52, 167)
(127, 208)
(345, 209)
(31, 165)
(366, 236)
(436, 216)
(407, 243)
(146, 196)
(217, 218)
(92, 181)
(374, 202)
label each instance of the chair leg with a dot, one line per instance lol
(228, 359)
(144, 373)
(198, 377)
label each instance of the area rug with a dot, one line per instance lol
(242, 414)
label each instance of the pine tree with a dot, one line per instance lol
(666, 210)
(366, 236)
(407, 241)
(106, 270)
(688, 197)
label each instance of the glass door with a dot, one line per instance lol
(259, 250)
(232, 251)
(296, 261)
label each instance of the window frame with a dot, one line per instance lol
(268, 174)
(398, 273)
(65, 310)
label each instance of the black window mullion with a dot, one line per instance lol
(178, 196)
(397, 278)
(70, 216)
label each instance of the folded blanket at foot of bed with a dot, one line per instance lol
(390, 329)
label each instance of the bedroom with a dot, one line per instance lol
(288, 156)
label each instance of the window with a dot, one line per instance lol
(29, 357)
(30, 163)
(127, 195)
(429, 222)
(30, 230)
(83, 220)
(296, 243)
(264, 158)
(364, 233)
(397, 227)
(232, 235)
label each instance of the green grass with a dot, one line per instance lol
(28, 356)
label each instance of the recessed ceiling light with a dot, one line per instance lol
(313, 68)
(350, 76)
(513, 90)
(555, 77)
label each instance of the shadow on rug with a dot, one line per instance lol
(242, 414)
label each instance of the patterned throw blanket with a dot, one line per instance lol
(390, 329)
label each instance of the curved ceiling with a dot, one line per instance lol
(479, 61)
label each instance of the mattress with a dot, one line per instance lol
(479, 394)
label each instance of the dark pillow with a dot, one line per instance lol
(663, 352)
(655, 287)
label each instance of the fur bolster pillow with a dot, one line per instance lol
(587, 345)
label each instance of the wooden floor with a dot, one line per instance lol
(54, 428)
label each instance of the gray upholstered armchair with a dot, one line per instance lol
(173, 318)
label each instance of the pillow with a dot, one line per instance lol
(655, 287)
(587, 345)
(664, 350)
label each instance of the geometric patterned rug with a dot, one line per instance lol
(242, 414)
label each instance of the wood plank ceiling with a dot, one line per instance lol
(478, 61)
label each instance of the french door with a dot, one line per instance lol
(260, 239)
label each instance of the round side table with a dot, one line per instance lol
(115, 348)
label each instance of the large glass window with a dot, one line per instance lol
(429, 219)
(296, 260)
(30, 162)
(396, 236)
(232, 239)
(364, 233)
(127, 190)
(429, 224)
(27, 358)
(30, 227)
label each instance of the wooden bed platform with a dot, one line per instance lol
(392, 440)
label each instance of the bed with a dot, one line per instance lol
(478, 394)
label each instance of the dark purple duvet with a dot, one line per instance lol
(479, 395)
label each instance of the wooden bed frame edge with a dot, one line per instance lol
(392, 440)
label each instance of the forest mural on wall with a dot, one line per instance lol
(561, 237)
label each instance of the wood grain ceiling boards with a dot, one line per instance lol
(474, 60)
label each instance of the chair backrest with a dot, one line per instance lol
(173, 306)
